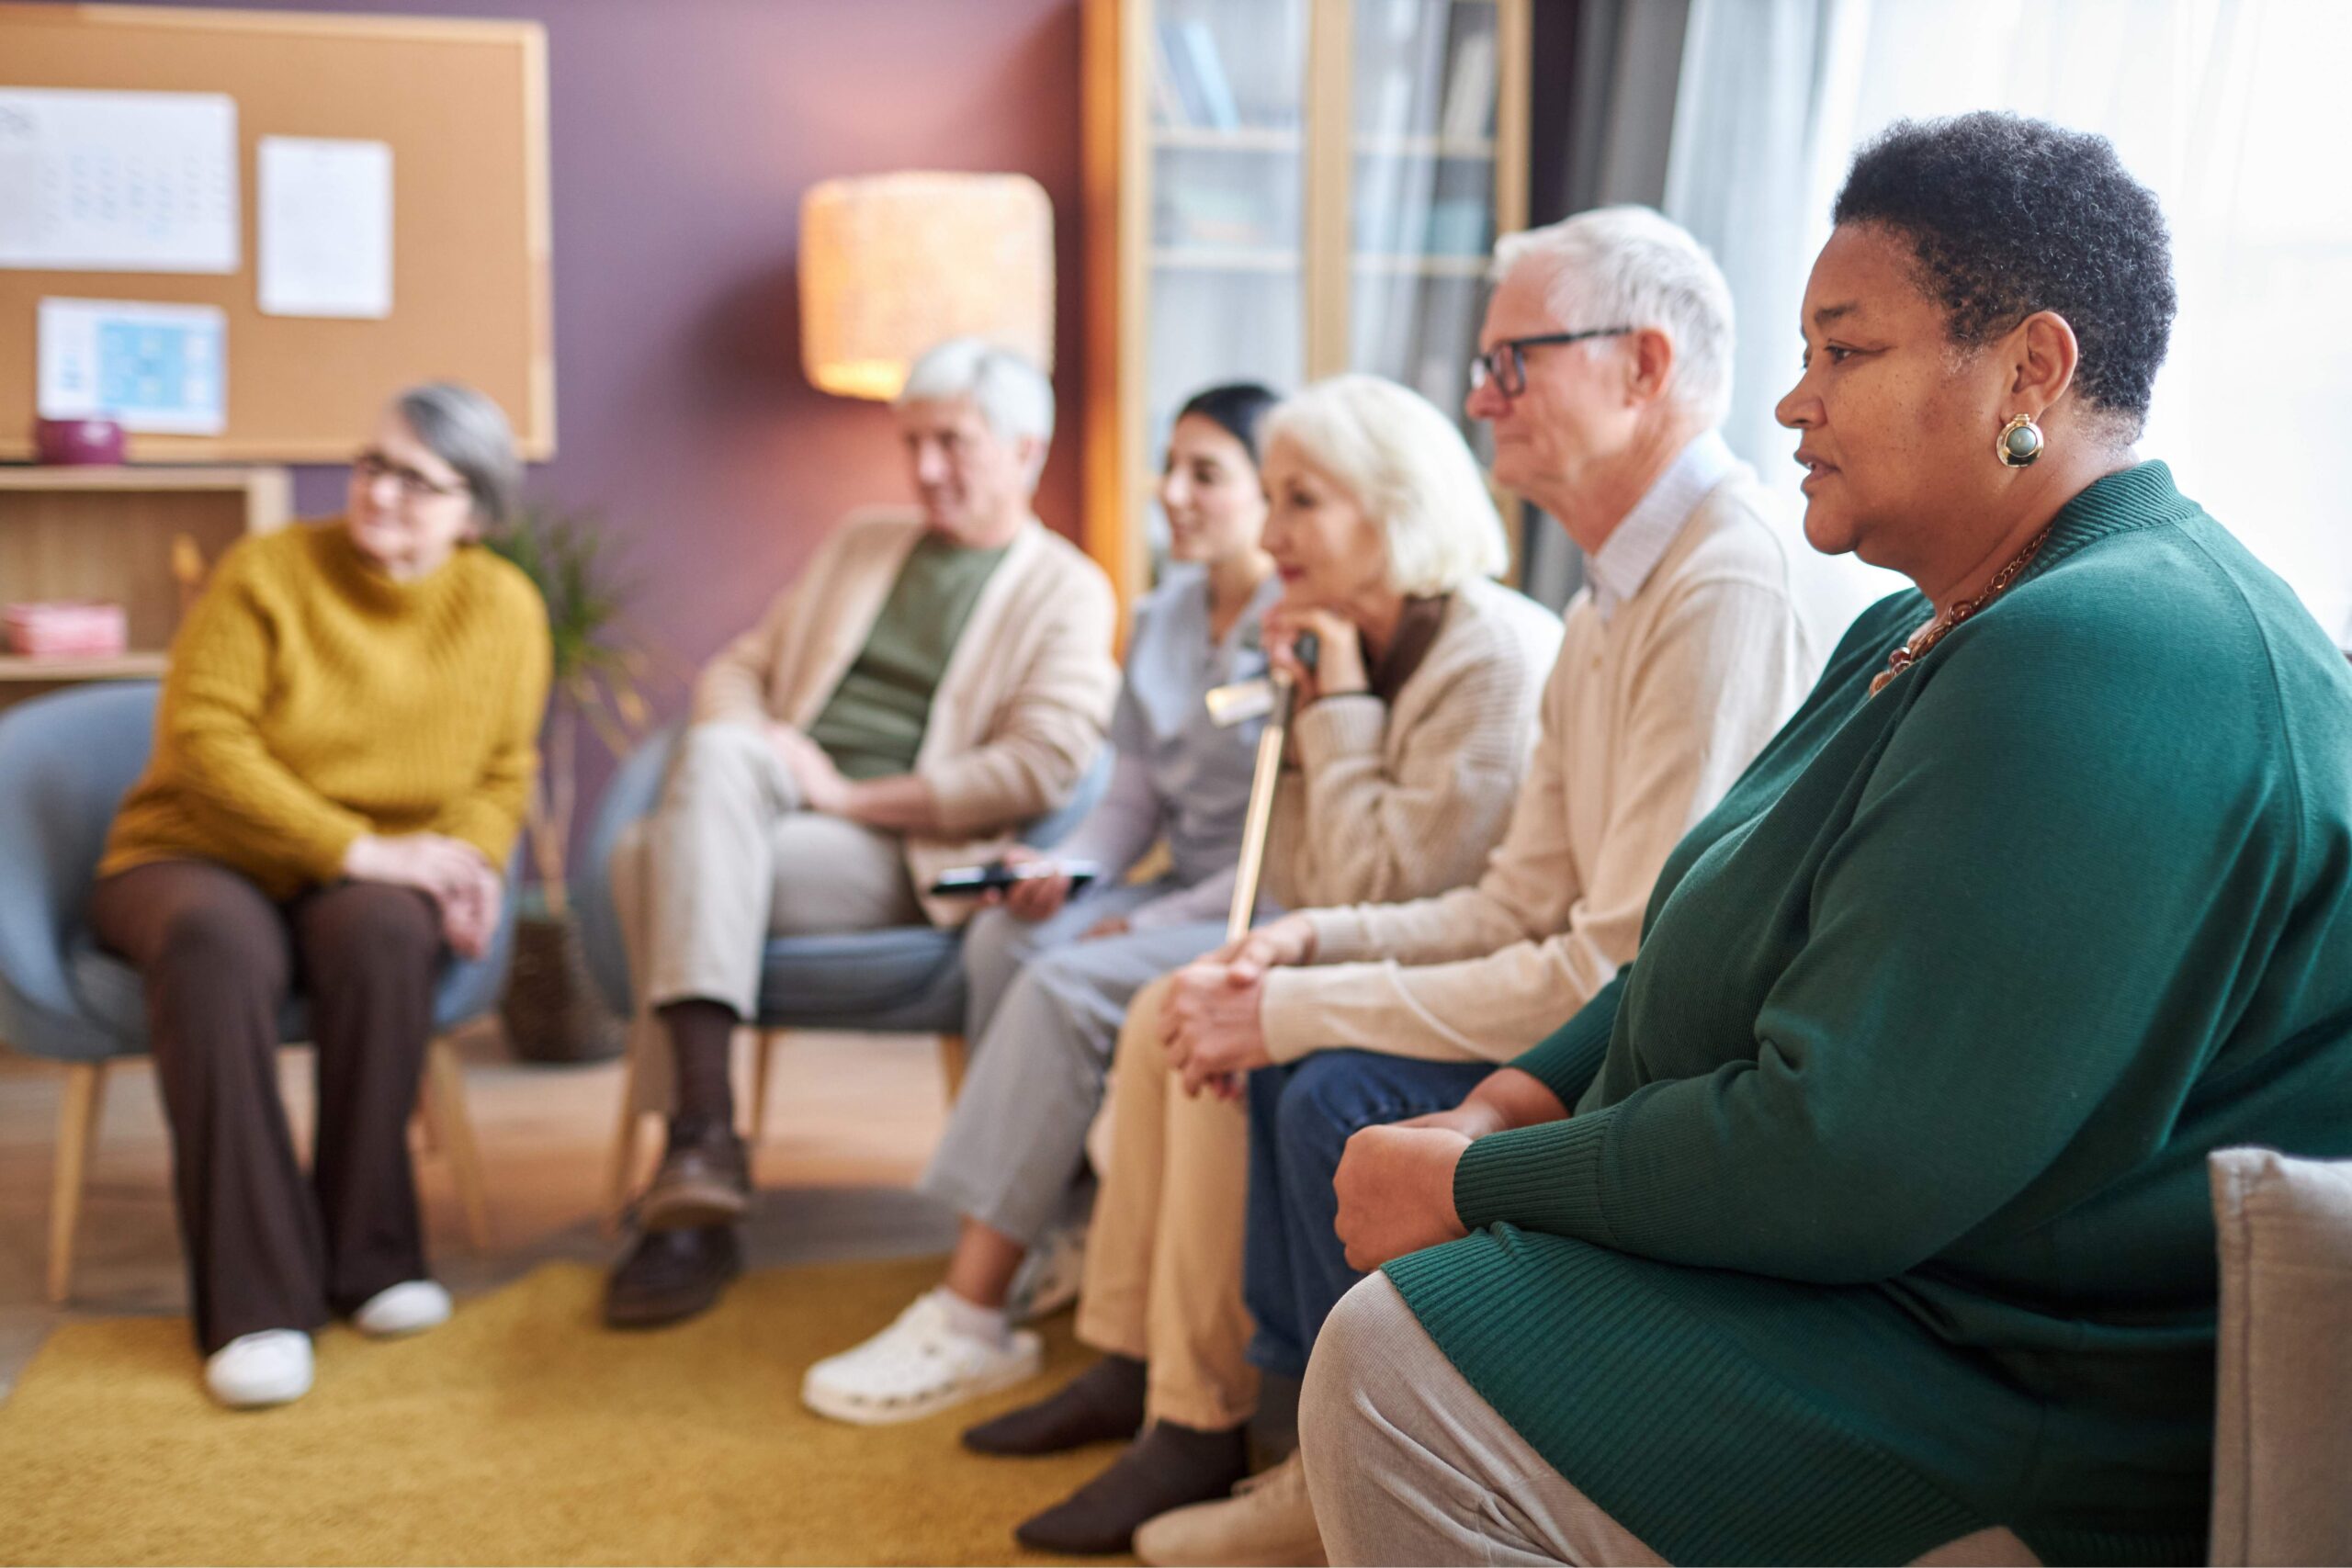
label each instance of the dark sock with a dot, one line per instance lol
(702, 1037)
(1103, 1403)
(1275, 1426)
(1169, 1467)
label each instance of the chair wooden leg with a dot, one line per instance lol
(453, 1129)
(77, 1127)
(428, 1136)
(625, 1138)
(764, 1046)
(954, 1057)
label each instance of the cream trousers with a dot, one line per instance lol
(1163, 1261)
(727, 859)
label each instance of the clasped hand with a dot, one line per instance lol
(1212, 1019)
(1396, 1189)
(1338, 660)
(467, 890)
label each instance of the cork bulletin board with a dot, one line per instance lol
(462, 105)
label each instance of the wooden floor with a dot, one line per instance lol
(850, 1120)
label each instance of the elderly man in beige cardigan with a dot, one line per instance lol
(927, 686)
(1605, 369)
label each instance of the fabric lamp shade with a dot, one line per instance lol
(893, 264)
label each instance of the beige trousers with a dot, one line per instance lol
(1163, 1259)
(726, 860)
(1407, 1463)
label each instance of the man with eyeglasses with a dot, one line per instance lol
(931, 683)
(1604, 369)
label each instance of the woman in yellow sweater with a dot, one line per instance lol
(343, 751)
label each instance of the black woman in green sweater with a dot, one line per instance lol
(1864, 1214)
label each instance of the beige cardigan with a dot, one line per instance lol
(1021, 708)
(1647, 719)
(1385, 803)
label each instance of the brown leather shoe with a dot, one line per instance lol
(704, 1180)
(670, 1276)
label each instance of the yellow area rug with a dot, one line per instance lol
(523, 1431)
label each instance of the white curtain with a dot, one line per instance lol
(2236, 112)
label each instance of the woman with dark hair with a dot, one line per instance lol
(1051, 972)
(343, 751)
(1865, 1213)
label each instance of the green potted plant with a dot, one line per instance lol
(551, 1008)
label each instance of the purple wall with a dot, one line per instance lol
(682, 135)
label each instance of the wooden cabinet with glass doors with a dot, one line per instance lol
(1279, 190)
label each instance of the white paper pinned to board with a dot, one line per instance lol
(325, 209)
(118, 182)
(149, 367)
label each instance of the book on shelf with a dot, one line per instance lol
(1457, 227)
(1214, 218)
(1201, 73)
(1469, 111)
(1167, 103)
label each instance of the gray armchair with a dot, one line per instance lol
(66, 761)
(906, 980)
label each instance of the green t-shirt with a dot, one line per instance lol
(872, 726)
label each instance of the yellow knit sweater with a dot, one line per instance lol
(312, 699)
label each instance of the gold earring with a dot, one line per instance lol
(2019, 442)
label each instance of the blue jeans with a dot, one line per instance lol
(1301, 1115)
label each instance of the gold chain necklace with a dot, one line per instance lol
(1915, 648)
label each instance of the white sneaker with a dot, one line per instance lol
(272, 1367)
(410, 1307)
(1050, 1277)
(919, 1365)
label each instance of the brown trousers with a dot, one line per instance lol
(265, 1248)
(1163, 1258)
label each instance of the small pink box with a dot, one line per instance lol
(66, 629)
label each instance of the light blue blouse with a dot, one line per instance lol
(1177, 772)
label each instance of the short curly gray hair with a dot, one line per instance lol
(2007, 216)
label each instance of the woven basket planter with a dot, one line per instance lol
(553, 1010)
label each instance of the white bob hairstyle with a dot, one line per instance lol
(1011, 394)
(1633, 266)
(1409, 471)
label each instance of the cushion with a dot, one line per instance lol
(2283, 1436)
(905, 978)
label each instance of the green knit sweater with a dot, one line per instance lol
(1883, 1215)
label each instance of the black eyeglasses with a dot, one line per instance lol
(1505, 364)
(371, 466)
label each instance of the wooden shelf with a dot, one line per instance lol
(1271, 138)
(1213, 139)
(1226, 258)
(118, 535)
(1425, 266)
(16, 667)
(126, 477)
(1189, 276)
(1250, 258)
(1477, 149)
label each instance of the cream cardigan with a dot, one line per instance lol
(1021, 708)
(1401, 802)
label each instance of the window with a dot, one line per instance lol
(2236, 112)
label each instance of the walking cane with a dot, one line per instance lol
(1263, 781)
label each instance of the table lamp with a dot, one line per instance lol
(893, 264)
